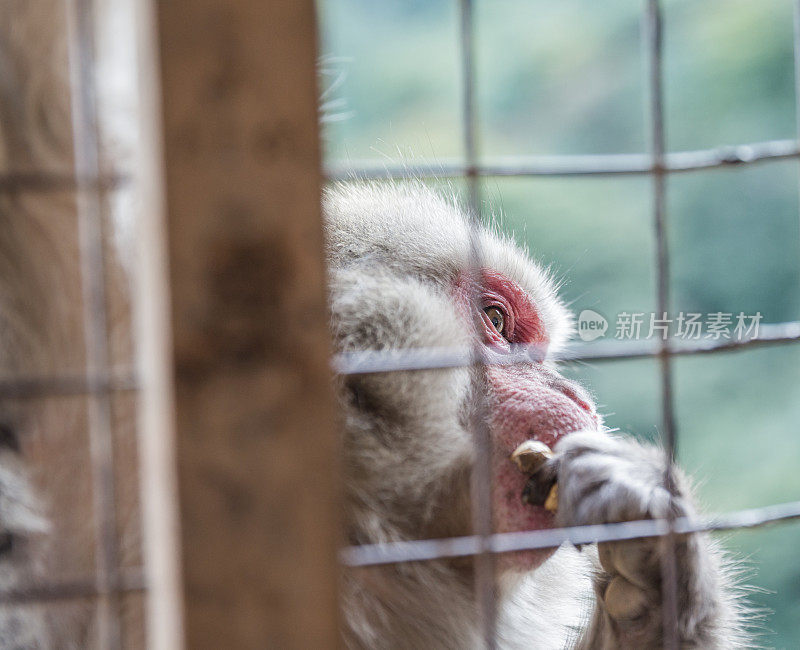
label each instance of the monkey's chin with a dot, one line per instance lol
(511, 515)
(527, 518)
(525, 561)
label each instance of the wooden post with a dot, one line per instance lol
(256, 444)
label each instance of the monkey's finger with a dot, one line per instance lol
(531, 455)
(636, 560)
(624, 601)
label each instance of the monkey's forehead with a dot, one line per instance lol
(412, 229)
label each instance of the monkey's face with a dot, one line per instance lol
(529, 401)
(399, 260)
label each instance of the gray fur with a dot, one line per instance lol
(393, 251)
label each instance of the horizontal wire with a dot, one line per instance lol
(566, 165)
(432, 549)
(66, 385)
(571, 165)
(418, 359)
(35, 181)
(70, 590)
(370, 361)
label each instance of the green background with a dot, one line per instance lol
(567, 77)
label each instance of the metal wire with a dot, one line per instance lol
(669, 569)
(658, 164)
(66, 385)
(481, 493)
(100, 381)
(574, 165)
(130, 582)
(433, 549)
(43, 182)
(796, 59)
(80, 38)
(369, 361)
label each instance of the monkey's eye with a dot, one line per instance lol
(497, 318)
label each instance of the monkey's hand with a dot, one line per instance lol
(603, 479)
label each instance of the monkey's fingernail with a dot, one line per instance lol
(551, 502)
(531, 455)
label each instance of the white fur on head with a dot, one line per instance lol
(363, 221)
(395, 253)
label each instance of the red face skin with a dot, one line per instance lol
(528, 401)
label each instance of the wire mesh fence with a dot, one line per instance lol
(658, 164)
(101, 380)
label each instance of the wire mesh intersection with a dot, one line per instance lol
(658, 164)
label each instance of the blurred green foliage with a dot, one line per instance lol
(568, 77)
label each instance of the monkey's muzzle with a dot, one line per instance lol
(541, 489)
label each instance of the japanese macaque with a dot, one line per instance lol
(399, 259)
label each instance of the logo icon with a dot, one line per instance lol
(591, 325)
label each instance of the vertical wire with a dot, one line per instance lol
(796, 46)
(481, 488)
(654, 45)
(80, 21)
